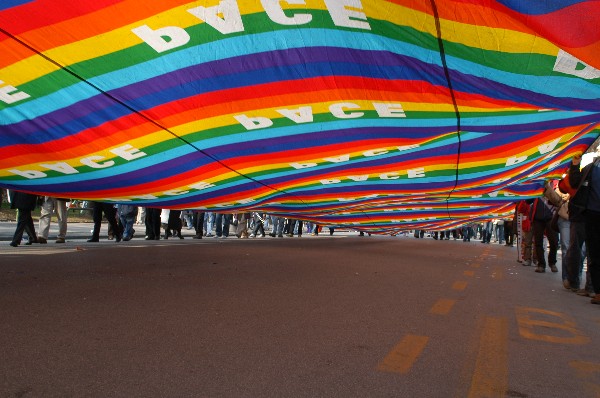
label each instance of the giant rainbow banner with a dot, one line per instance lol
(371, 114)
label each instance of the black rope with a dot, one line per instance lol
(449, 82)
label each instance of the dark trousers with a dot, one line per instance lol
(574, 258)
(592, 245)
(199, 223)
(24, 224)
(222, 224)
(152, 223)
(539, 227)
(508, 233)
(291, 225)
(111, 216)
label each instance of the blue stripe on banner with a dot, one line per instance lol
(6, 4)
(538, 7)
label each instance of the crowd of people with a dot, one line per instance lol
(566, 215)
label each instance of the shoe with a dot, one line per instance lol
(567, 284)
(111, 237)
(272, 235)
(527, 264)
(595, 300)
(252, 236)
(583, 292)
(119, 238)
(91, 240)
(209, 235)
(280, 236)
(41, 240)
(126, 238)
(60, 240)
(157, 238)
(540, 269)
(180, 236)
(290, 235)
(149, 238)
(553, 268)
(13, 244)
(262, 236)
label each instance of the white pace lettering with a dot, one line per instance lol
(31, 174)
(10, 94)
(337, 110)
(568, 64)
(299, 166)
(224, 17)
(91, 161)
(389, 110)
(61, 167)
(201, 185)
(346, 13)
(515, 160)
(128, 152)
(253, 123)
(416, 173)
(301, 115)
(162, 39)
(275, 12)
(545, 148)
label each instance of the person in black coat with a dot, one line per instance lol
(24, 203)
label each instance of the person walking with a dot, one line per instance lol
(25, 203)
(587, 200)
(50, 205)
(127, 216)
(111, 216)
(541, 215)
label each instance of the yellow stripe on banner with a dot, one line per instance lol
(490, 377)
(476, 36)
(403, 356)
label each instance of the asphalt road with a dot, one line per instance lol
(340, 316)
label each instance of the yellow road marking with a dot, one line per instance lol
(459, 285)
(469, 273)
(498, 273)
(569, 334)
(404, 354)
(442, 306)
(475, 265)
(490, 377)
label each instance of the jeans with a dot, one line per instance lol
(538, 242)
(222, 221)
(127, 221)
(564, 227)
(500, 233)
(592, 237)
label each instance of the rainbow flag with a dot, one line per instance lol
(370, 114)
